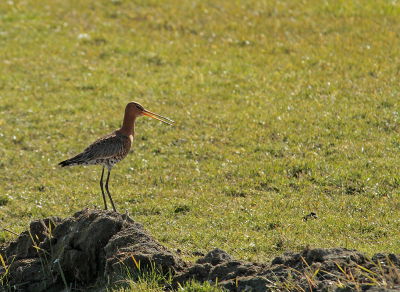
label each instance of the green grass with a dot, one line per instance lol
(280, 107)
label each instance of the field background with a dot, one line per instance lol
(281, 108)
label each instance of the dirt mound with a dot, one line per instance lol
(89, 247)
(93, 247)
(334, 269)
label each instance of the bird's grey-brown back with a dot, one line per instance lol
(108, 150)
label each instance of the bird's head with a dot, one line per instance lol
(135, 109)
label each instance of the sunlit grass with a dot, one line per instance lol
(281, 108)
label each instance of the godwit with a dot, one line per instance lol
(112, 148)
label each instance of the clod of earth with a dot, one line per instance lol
(88, 251)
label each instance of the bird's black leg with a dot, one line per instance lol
(108, 192)
(101, 185)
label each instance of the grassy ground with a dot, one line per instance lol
(280, 107)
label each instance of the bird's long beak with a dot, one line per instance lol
(153, 115)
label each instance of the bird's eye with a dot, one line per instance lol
(138, 107)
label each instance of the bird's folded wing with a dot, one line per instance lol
(111, 145)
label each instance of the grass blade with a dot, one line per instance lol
(62, 275)
(368, 271)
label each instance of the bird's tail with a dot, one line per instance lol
(65, 163)
(72, 161)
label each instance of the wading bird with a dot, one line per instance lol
(112, 148)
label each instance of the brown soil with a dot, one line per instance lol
(95, 247)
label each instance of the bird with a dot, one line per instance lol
(113, 147)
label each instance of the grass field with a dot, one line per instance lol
(280, 107)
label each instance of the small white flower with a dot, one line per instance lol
(84, 36)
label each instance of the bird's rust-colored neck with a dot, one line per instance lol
(128, 126)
